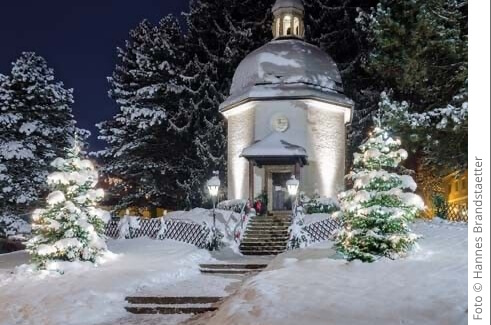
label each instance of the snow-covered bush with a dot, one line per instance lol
(214, 240)
(71, 227)
(299, 238)
(377, 210)
(232, 205)
(321, 205)
(11, 225)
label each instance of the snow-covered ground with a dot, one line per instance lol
(307, 286)
(311, 286)
(315, 217)
(95, 295)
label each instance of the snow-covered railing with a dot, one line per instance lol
(242, 224)
(322, 230)
(158, 228)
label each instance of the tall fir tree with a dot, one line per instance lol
(220, 35)
(36, 124)
(71, 227)
(377, 210)
(143, 137)
(419, 57)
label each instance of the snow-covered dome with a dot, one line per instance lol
(286, 62)
(297, 4)
(287, 67)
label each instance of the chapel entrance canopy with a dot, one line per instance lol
(275, 150)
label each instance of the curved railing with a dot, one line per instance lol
(241, 224)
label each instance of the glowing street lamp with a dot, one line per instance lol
(292, 187)
(213, 185)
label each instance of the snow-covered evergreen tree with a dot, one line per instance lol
(71, 227)
(149, 137)
(419, 55)
(36, 124)
(434, 130)
(376, 211)
(220, 35)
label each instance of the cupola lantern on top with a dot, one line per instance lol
(288, 19)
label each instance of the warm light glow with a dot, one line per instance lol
(292, 186)
(331, 107)
(296, 26)
(240, 136)
(239, 109)
(287, 25)
(327, 136)
(213, 190)
(213, 186)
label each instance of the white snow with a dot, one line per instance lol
(15, 150)
(55, 198)
(15, 226)
(86, 294)
(315, 217)
(286, 61)
(276, 144)
(310, 286)
(28, 127)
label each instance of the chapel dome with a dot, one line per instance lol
(279, 4)
(284, 62)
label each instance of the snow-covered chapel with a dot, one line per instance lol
(287, 115)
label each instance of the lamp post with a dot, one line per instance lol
(292, 187)
(213, 185)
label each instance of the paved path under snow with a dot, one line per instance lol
(209, 285)
(9, 261)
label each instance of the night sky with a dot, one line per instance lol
(79, 40)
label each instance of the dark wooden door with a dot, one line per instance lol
(281, 199)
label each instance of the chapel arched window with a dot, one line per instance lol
(287, 25)
(296, 26)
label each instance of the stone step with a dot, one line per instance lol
(258, 243)
(268, 225)
(172, 300)
(261, 248)
(235, 271)
(272, 230)
(169, 310)
(234, 266)
(265, 238)
(259, 228)
(269, 219)
(261, 253)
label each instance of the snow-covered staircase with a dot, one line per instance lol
(266, 235)
(172, 305)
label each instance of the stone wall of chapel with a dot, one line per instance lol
(240, 136)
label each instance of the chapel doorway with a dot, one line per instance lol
(281, 199)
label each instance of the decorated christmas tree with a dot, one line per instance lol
(376, 211)
(71, 227)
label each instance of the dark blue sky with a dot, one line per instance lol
(79, 40)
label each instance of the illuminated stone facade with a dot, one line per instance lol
(287, 115)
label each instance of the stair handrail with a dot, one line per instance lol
(238, 233)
